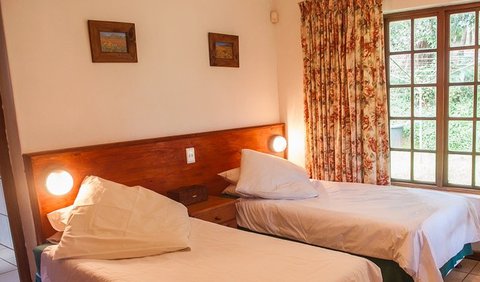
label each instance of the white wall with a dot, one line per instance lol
(290, 76)
(61, 99)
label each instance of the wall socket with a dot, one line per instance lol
(190, 155)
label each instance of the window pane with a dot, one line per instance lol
(425, 68)
(477, 171)
(400, 69)
(459, 169)
(425, 101)
(477, 137)
(460, 136)
(462, 64)
(400, 134)
(425, 135)
(478, 68)
(424, 167)
(400, 165)
(400, 36)
(462, 29)
(460, 102)
(400, 99)
(478, 101)
(426, 33)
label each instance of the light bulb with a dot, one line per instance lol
(278, 144)
(59, 182)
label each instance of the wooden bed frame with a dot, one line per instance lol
(158, 164)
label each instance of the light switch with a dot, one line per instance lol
(190, 155)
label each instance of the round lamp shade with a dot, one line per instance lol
(59, 182)
(278, 144)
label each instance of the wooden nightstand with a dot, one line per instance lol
(215, 209)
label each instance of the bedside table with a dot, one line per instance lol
(215, 209)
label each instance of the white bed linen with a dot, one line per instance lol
(219, 253)
(419, 229)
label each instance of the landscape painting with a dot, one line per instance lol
(224, 50)
(113, 42)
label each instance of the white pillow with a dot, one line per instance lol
(230, 190)
(114, 221)
(266, 176)
(231, 176)
(59, 218)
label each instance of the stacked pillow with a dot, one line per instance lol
(231, 176)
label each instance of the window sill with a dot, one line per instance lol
(436, 188)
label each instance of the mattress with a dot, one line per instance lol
(219, 253)
(419, 229)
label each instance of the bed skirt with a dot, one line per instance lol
(391, 271)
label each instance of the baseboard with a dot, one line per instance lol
(474, 256)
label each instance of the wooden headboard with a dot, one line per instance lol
(158, 164)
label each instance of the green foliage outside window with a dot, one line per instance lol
(461, 69)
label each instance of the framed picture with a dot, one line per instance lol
(223, 50)
(112, 42)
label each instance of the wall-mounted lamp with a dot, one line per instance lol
(59, 182)
(278, 143)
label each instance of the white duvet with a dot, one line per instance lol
(419, 229)
(219, 253)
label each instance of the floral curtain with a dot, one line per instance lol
(345, 93)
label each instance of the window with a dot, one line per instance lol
(434, 95)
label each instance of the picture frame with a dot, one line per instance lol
(223, 50)
(112, 42)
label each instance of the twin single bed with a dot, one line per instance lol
(420, 230)
(219, 253)
(216, 253)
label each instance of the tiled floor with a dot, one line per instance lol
(467, 271)
(8, 265)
